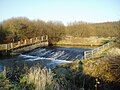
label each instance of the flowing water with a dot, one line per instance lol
(46, 57)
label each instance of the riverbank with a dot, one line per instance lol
(84, 41)
(98, 73)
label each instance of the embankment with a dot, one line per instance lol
(94, 74)
(82, 41)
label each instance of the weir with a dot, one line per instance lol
(46, 56)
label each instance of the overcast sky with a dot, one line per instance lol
(62, 10)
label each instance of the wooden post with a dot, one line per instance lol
(108, 44)
(42, 38)
(25, 41)
(103, 47)
(84, 54)
(36, 39)
(46, 37)
(4, 72)
(6, 47)
(31, 41)
(11, 45)
(92, 54)
(91, 45)
(18, 43)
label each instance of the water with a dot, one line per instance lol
(46, 57)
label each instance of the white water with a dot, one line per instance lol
(50, 56)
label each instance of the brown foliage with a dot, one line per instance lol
(21, 28)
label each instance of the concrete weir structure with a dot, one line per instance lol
(23, 46)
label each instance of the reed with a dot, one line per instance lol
(42, 79)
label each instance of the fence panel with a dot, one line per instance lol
(91, 53)
(25, 42)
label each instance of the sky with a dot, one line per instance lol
(62, 10)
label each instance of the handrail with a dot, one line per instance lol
(90, 54)
(23, 43)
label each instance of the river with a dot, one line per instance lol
(47, 57)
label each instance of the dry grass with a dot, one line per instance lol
(41, 78)
(83, 41)
(114, 51)
(105, 68)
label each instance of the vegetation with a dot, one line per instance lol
(100, 73)
(22, 28)
(18, 28)
(106, 69)
(107, 29)
(34, 78)
(4, 82)
(41, 78)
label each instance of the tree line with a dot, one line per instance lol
(22, 28)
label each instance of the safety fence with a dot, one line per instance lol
(23, 43)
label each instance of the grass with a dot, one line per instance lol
(4, 82)
(83, 41)
(41, 78)
(34, 79)
(106, 69)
